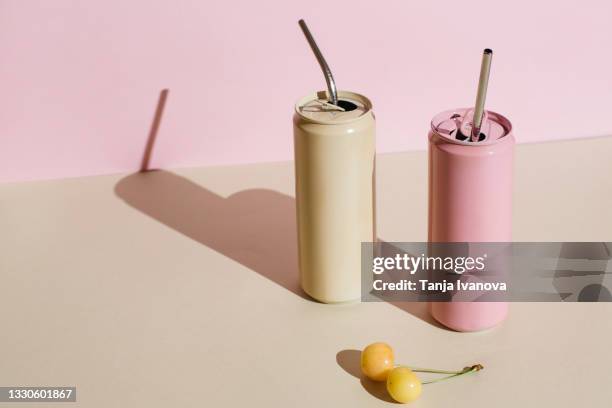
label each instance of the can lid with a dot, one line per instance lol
(351, 107)
(455, 126)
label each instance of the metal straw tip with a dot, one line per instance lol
(488, 51)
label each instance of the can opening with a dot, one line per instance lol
(346, 105)
(317, 108)
(460, 136)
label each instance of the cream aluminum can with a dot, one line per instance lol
(335, 194)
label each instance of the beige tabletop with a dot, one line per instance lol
(178, 289)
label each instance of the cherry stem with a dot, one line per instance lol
(466, 370)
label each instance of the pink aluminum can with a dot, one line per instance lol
(470, 200)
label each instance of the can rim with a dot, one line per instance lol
(497, 117)
(348, 94)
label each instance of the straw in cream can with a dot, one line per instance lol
(334, 169)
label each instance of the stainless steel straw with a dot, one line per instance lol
(481, 95)
(329, 78)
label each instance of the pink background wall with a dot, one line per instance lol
(81, 79)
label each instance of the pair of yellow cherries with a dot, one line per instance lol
(403, 385)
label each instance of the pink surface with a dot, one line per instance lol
(81, 80)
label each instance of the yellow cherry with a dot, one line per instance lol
(377, 361)
(403, 385)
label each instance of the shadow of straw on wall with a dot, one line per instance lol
(154, 129)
